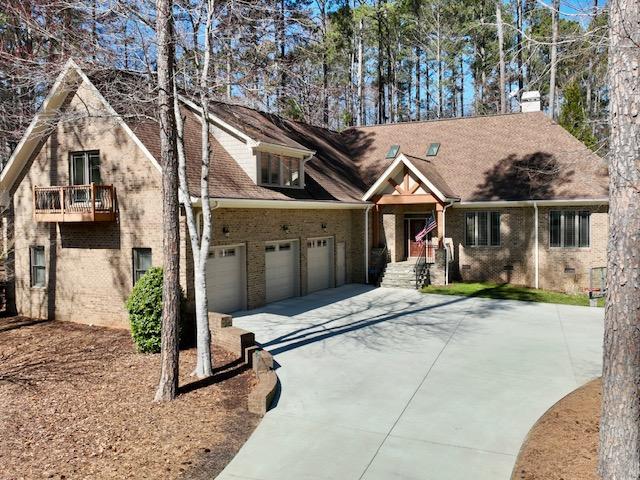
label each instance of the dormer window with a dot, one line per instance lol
(280, 170)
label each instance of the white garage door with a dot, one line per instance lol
(281, 270)
(319, 264)
(226, 279)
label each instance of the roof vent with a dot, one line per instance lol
(393, 151)
(530, 101)
(432, 151)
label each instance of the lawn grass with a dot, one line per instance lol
(509, 292)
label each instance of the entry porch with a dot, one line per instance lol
(408, 221)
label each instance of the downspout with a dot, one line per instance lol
(444, 233)
(366, 243)
(536, 254)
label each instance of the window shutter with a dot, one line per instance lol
(555, 239)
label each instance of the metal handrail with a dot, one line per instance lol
(421, 264)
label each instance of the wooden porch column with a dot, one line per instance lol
(440, 221)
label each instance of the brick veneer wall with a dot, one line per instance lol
(89, 265)
(254, 227)
(517, 250)
(554, 261)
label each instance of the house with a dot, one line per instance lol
(296, 208)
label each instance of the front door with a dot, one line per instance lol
(415, 226)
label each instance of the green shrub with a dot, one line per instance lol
(145, 311)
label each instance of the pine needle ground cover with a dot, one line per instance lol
(77, 402)
(563, 444)
(509, 292)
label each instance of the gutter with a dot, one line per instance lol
(277, 148)
(531, 203)
(285, 204)
(444, 232)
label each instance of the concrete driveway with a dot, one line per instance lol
(393, 384)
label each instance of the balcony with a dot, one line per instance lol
(74, 203)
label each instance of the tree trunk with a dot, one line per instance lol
(199, 243)
(439, 66)
(361, 106)
(381, 97)
(503, 95)
(620, 422)
(168, 385)
(555, 9)
(325, 66)
(418, 105)
(280, 47)
(427, 88)
(228, 67)
(461, 86)
(519, 25)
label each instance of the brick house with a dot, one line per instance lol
(296, 208)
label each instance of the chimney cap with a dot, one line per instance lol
(530, 101)
(531, 95)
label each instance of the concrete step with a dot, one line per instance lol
(399, 276)
(409, 286)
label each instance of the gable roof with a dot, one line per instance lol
(229, 181)
(422, 169)
(503, 157)
(495, 158)
(39, 129)
(512, 157)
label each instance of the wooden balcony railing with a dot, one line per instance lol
(74, 203)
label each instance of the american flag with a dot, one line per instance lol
(430, 225)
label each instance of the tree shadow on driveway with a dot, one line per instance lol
(378, 322)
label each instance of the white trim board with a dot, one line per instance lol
(283, 204)
(401, 158)
(531, 203)
(56, 96)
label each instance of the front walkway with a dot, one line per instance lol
(393, 384)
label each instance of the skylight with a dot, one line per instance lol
(393, 151)
(432, 151)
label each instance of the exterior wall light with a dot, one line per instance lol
(323, 226)
(285, 228)
(225, 230)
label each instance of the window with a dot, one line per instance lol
(141, 262)
(84, 169)
(569, 229)
(37, 266)
(393, 151)
(432, 151)
(482, 229)
(290, 171)
(280, 170)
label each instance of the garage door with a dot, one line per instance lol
(281, 270)
(226, 279)
(319, 264)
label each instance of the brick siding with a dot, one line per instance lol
(513, 261)
(89, 265)
(254, 227)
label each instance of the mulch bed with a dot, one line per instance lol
(77, 402)
(563, 444)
